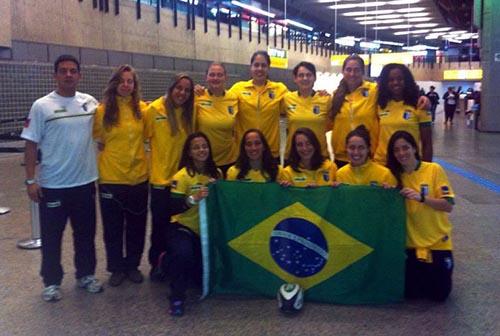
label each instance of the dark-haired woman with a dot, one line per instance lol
(307, 167)
(169, 120)
(189, 187)
(354, 103)
(397, 110)
(255, 162)
(216, 112)
(123, 173)
(260, 101)
(361, 170)
(306, 107)
(429, 199)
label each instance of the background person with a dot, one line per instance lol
(119, 128)
(450, 98)
(434, 99)
(429, 199)
(397, 110)
(169, 120)
(307, 167)
(60, 125)
(255, 162)
(361, 170)
(216, 113)
(182, 260)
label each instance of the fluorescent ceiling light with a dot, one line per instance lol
(375, 22)
(328, 34)
(454, 41)
(298, 24)
(442, 29)
(369, 45)
(403, 2)
(419, 19)
(416, 14)
(402, 26)
(253, 9)
(419, 47)
(431, 37)
(458, 32)
(411, 10)
(426, 25)
(381, 27)
(389, 43)
(374, 12)
(412, 32)
(359, 5)
(420, 31)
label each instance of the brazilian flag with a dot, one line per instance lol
(342, 245)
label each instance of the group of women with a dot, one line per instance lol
(194, 134)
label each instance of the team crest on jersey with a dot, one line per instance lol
(326, 176)
(383, 114)
(246, 93)
(424, 189)
(364, 92)
(173, 184)
(206, 103)
(159, 118)
(230, 110)
(316, 109)
(271, 94)
(407, 115)
(373, 183)
(445, 190)
(292, 107)
(299, 179)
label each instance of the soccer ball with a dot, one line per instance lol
(290, 298)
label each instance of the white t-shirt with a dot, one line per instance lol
(62, 128)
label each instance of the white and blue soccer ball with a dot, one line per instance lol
(290, 298)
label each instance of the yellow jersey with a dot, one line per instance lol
(397, 116)
(310, 112)
(370, 173)
(123, 158)
(259, 107)
(322, 176)
(166, 148)
(426, 227)
(253, 175)
(360, 107)
(184, 185)
(216, 117)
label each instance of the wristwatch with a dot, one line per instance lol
(29, 181)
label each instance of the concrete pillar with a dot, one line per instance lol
(6, 28)
(490, 62)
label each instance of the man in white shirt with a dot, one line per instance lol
(60, 125)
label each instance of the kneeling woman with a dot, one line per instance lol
(307, 167)
(189, 186)
(429, 199)
(361, 170)
(255, 161)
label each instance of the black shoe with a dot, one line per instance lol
(116, 279)
(135, 276)
(176, 308)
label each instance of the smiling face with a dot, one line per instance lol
(199, 150)
(181, 92)
(396, 83)
(216, 78)
(404, 153)
(67, 77)
(353, 74)
(126, 85)
(254, 147)
(304, 79)
(357, 151)
(259, 69)
(304, 147)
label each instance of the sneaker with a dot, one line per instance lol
(116, 279)
(176, 308)
(51, 293)
(135, 276)
(90, 284)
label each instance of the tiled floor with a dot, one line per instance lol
(472, 309)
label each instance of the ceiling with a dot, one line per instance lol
(400, 21)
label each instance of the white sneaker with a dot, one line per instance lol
(51, 293)
(90, 284)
